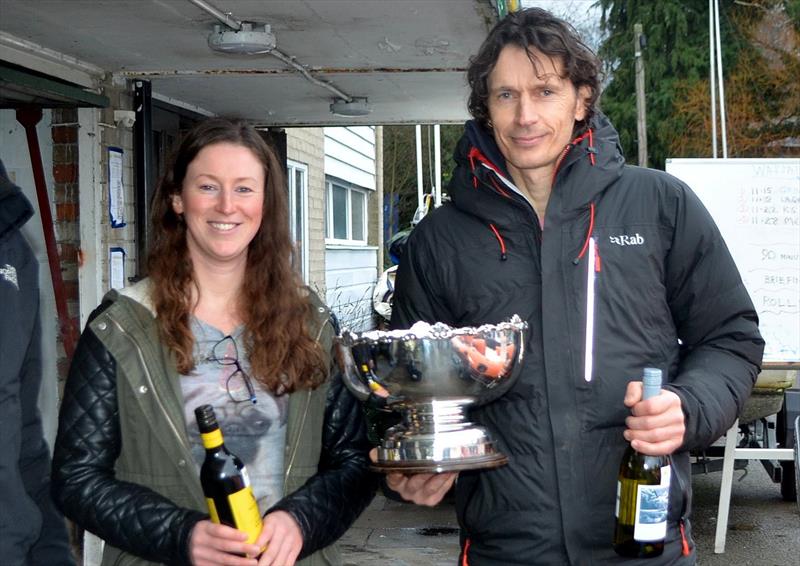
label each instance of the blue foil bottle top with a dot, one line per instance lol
(651, 380)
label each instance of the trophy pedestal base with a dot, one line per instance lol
(433, 467)
(447, 448)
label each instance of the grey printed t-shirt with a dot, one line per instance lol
(256, 433)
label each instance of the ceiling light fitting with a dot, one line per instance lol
(357, 106)
(252, 39)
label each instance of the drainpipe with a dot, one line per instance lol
(29, 117)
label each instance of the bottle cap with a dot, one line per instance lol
(206, 419)
(652, 376)
(651, 380)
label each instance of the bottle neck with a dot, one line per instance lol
(212, 439)
(650, 391)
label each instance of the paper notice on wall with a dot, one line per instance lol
(116, 263)
(116, 194)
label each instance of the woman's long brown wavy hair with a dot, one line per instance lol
(273, 303)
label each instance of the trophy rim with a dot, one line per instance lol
(437, 331)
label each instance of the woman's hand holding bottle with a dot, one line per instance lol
(279, 543)
(282, 539)
(212, 544)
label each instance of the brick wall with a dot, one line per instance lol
(66, 206)
(65, 216)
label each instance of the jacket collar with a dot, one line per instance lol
(140, 292)
(483, 140)
(483, 187)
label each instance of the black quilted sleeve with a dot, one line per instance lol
(126, 515)
(331, 500)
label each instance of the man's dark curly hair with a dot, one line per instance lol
(534, 28)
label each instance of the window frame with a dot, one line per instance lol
(351, 190)
(291, 168)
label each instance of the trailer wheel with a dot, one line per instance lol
(789, 480)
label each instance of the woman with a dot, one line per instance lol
(222, 319)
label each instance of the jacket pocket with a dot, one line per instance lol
(679, 489)
(466, 484)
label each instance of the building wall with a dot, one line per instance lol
(352, 269)
(66, 144)
(114, 135)
(306, 146)
(350, 155)
(64, 209)
(375, 206)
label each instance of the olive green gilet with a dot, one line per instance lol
(155, 451)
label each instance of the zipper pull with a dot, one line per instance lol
(684, 543)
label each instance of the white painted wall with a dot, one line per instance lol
(350, 277)
(350, 155)
(351, 271)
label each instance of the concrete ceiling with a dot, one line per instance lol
(408, 57)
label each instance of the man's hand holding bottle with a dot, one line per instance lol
(656, 426)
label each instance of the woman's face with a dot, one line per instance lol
(222, 200)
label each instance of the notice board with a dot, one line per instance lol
(756, 205)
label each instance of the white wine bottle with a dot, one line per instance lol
(642, 493)
(225, 482)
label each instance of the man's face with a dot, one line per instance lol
(533, 110)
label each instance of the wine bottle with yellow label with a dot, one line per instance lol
(642, 493)
(223, 476)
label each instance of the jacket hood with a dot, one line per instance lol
(481, 181)
(15, 210)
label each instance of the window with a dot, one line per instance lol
(297, 178)
(346, 213)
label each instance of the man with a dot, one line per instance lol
(615, 268)
(32, 532)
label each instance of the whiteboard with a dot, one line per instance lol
(756, 205)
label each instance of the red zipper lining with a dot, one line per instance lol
(591, 150)
(588, 235)
(499, 188)
(684, 542)
(475, 153)
(497, 235)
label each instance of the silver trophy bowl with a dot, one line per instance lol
(431, 374)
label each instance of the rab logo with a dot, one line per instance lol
(625, 240)
(9, 273)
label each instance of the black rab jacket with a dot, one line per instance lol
(664, 293)
(32, 531)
